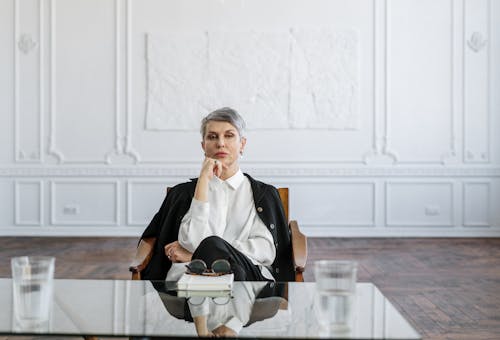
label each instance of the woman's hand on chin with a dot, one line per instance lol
(212, 167)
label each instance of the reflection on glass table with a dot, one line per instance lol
(143, 308)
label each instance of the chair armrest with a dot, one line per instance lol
(299, 247)
(142, 256)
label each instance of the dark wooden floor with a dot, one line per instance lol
(446, 288)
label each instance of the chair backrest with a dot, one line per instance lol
(284, 200)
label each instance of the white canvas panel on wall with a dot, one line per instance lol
(83, 79)
(190, 74)
(419, 74)
(419, 204)
(272, 67)
(333, 204)
(89, 203)
(284, 79)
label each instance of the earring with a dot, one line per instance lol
(241, 153)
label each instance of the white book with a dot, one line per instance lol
(204, 282)
(204, 293)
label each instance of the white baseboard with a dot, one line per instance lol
(72, 231)
(310, 231)
(335, 231)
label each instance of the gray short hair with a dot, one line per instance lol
(225, 114)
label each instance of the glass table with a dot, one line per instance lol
(121, 308)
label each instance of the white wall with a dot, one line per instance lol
(420, 155)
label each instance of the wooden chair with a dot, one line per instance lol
(299, 246)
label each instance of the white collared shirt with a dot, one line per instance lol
(230, 214)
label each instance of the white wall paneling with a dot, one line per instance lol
(129, 148)
(426, 204)
(409, 145)
(477, 71)
(28, 80)
(494, 45)
(337, 204)
(120, 120)
(477, 204)
(7, 60)
(84, 202)
(420, 59)
(352, 204)
(29, 202)
(379, 153)
(144, 199)
(79, 53)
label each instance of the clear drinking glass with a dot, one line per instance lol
(335, 294)
(32, 287)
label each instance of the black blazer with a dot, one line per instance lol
(166, 222)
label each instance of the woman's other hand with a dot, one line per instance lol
(200, 323)
(176, 253)
(224, 331)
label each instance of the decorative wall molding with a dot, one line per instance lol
(53, 151)
(51, 142)
(332, 183)
(129, 149)
(477, 95)
(122, 149)
(477, 42)
(18, 220)
(300, 172)
(450, 156)
(118, 147)
(411, 223)
(83, 222)
(382, 153)
(130, 184)
(25, 43)
(15, 84)
(487, 204)
(378, 154)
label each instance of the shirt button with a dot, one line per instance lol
(271, 226)
(259, 209)
(277, 270)
(276, 244)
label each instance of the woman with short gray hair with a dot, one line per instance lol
(223, 214)
(225, 114)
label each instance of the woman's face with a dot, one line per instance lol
(223, 143)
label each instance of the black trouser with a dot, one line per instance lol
(215, 248)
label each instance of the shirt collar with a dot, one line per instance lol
(235, 180)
